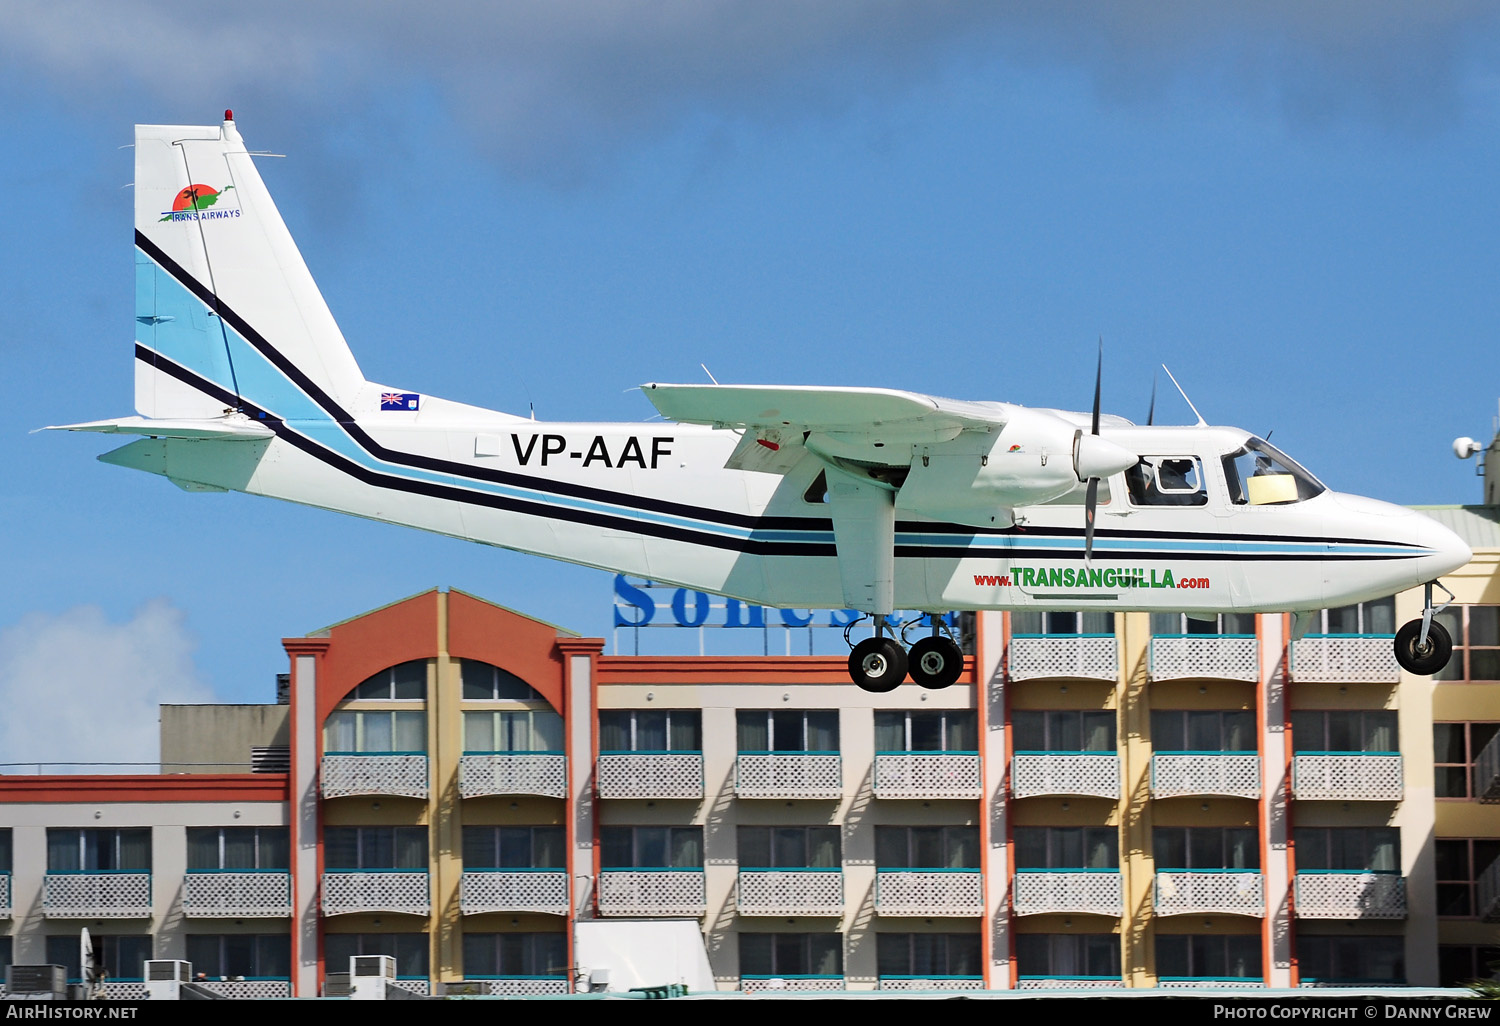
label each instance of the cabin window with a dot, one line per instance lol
(1259, 474)
(1167, 481)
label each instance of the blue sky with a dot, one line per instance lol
(1292, 206)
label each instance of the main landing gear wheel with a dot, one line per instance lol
(1423, 659)
(878, 664)
(935, 662)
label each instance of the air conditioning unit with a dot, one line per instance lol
(37, 982)
(165, 977)
(369, 975)
(336, 985)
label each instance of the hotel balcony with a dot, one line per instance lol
(927, 775)
(513, 890)
(930, 983)
(1232, 774)
(1086, 656)
(1336, 894)
(119, 894)
(1200, 892)
(1096, 891)
(789, 775)
(507, 986)
(392, 890)
(486, 773)
(1488, 893)
(652, 892)
(1205, 657)
(353, 773)
(790, 892)
(1487, 773)
(250, 987)
(237, 894)
(1211, 983)
(1082, 773)
(929, 892)
(780, 984)
(1347, 776)
(1345, 659)
(5, 894)
(1068, 982)
(650, 775)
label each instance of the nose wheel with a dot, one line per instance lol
(881, 663)
(936, 662)
(878, 664)
(1424, 646)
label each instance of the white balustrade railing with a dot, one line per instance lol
(790, 892)
(1034, 892)
(513, 890)
(376, 891)
(249, 988)
(5, 894)
(1211, 983)
(510, 986)
(1341, 895)
(777, 984)
(1068, 983)
(113, 895)
(652, 892)
(928, 983)
(349, 773)
(1347, 776)
(1205, 657)
(927, 775)
(929, 892)
(650, 775)
(1083, 773)
(486, 773)
(1086, 656)
(1354, 659)
(1235, 774)
(789, 775)
(237, 894)
(1195, 892)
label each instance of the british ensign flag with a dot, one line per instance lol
(399, 400)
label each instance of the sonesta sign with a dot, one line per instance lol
(637, 605)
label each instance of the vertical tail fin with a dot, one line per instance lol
(225, 305)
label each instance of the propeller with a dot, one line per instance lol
(1095, 457)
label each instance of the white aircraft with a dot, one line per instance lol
(863, 498)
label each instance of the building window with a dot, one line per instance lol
(497, 847)
(1476, 643)
(1456, 747)
(1208, 956)
(788, 730)
(1177, 625)
(237, 848)
(1376, 618)
(408, 949)
(928, 954)
(1093, 623)
(375, 731)
(1460, 862)
(1205, 848)
(1344, 730)
(1462, 964)
(403, 682)
(1068, 955)
(655, 847)
(492, 955)
(952, 847)
(5, 956)
(1067, 848)
(791, 954)
(818, 847)
(1379, 959)
(375, 848)
(1190, 730)
(1063, 730)
(1348, 849)
(5, 855)
(519, 730)
(123, 957)
(641, 730)
(251, 955)
(99, 850)
(482, 682)
(948, 730)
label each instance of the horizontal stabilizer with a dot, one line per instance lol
(219, 428)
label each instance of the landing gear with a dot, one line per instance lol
(936, 662)
(878, 664)
(1424, 646)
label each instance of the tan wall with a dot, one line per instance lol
(200, 738)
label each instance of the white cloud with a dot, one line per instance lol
(75, 687)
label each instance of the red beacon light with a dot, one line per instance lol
(228, 115)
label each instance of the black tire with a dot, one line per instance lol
(935, 662)
(878, 665)
(1419, 659)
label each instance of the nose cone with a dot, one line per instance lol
(1447, 551)
(1099, 457)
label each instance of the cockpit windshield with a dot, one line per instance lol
(1259, 474)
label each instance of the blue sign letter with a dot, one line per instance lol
(634, 597)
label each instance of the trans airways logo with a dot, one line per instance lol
(200, 203)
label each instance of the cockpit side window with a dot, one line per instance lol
(1259, 474)
(1167, 481)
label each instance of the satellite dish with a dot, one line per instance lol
(1463, 448)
